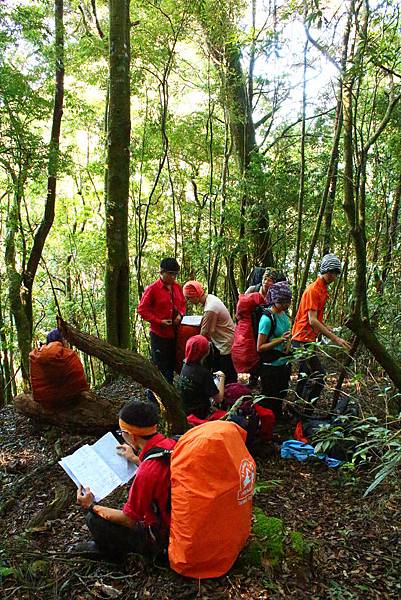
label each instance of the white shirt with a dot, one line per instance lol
(223, 335)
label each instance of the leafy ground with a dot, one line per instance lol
(353, 543)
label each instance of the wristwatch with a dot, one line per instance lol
(90, 507)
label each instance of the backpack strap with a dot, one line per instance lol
(157, 453)
(268, 313)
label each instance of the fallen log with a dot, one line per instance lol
(90, 413)
(132, 364)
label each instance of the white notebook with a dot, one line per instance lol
(99, 467)
(191, 320)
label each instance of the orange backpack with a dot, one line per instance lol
(212, 481)
(57, 375)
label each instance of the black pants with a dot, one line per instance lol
(310, 377)
(163, 356)
(274, 385)
(116, 541)
(216, 361)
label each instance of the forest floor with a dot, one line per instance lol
(355, 542)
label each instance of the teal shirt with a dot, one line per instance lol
(283, 324)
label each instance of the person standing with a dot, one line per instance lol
(270, 276)
(163, 305)
(217, 326)
(309, 324)
(272, 345)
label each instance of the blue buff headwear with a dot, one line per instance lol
(54, 336)
(280, 293)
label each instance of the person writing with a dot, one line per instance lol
(163, 305)
(196, 384)
(309, 324)
(142, 524)
(217, 325)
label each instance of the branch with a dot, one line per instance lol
(321, 49)
(263, 119)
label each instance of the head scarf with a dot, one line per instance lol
(197, 347)
(54, 336)
(136, 430)
(280, 293)
(274, 275)
(193, 289)
(330, 264)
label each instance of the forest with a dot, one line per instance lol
(228, 134)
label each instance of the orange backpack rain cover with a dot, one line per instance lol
(57, 374)
(212, 481)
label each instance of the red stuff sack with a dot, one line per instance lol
(243, 352)
(57, 375)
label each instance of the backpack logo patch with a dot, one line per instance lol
(247, 476)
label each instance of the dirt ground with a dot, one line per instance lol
(355, 541)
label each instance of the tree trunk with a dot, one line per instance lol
(355, 210)
(227, 57)
(20, 285)
(88, 413)
(132, 364)
(301, 191)
(118, 169)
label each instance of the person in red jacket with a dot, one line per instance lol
(163, 305)
(142, 525)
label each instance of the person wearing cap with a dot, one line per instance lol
(217, 326)
(196, 384)
(272, 345)
(163, 305)
(309, 324)
(142, 524)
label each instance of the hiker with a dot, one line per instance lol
(56, 372)
(269, 277)
(244, 354)
(217, 326)
(272, 345)
(142, 525)
(163, 305)
(309, 325)
(196, 384)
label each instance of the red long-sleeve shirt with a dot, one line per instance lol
(158, 302)
(151, 484)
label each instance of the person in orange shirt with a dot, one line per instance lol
(309, 324)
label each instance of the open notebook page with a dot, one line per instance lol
(87, 468)
(106, 449)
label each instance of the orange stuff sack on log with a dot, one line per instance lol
(57, 375)
(212, 483)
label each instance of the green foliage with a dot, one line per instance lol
(269, 535)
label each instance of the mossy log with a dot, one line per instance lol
(88, 412)
(132, 364)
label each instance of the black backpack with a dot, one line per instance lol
(267, 356)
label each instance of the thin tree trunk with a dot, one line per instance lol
(301, 191)
(118, 170)
(20, 285)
